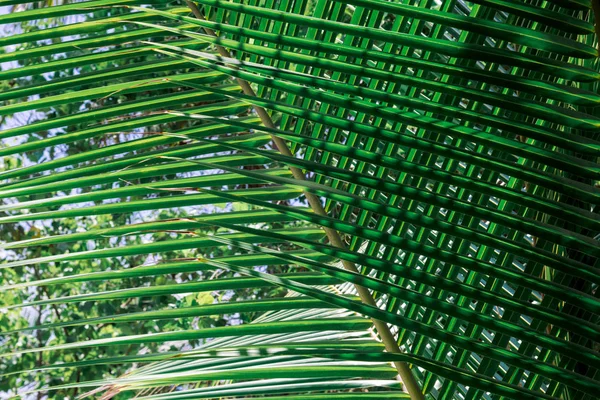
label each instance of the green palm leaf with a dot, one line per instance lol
(300, 199)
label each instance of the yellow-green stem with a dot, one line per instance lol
(388, 339)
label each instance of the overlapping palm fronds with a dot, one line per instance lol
(421, 177)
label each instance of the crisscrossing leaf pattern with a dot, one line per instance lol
(454, 145)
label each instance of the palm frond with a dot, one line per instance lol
(419, 179)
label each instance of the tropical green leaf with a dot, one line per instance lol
(361, 199)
